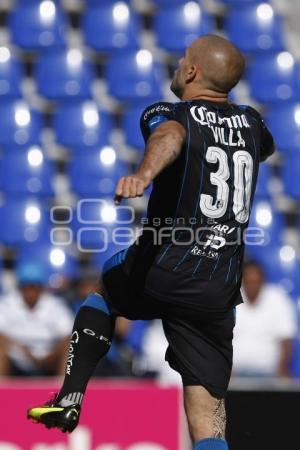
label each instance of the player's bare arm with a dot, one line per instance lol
(162, 149)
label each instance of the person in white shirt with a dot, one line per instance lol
(265, 327)
(34, 327)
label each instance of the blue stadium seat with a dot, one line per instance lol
(102, 2)
(25, 173)
(240, 2)
(95, 220)
(111, 26)
(79, 125)
(37, 25)
(255, 28)
(141, 80)
(64, 74)
(131, 127)
(11, 74)
(177, 26)
(273, 78)
(266, 228)
(284, 122)
(96, 173)
(169, 2)
(23, 220)
(291, 175)
(58, 261)
(20, 125)
(27, 2)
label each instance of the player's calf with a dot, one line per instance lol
(90, 341)
(206, 418)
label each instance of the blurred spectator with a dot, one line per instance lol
(152, 360)
(84, 285)
(34, 326)
(265, 327)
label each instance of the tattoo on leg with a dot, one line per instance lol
(219, 420)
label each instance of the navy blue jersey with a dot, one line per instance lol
(200, 205)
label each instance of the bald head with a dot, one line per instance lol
(212, 63)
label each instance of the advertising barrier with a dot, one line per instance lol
(116, 416)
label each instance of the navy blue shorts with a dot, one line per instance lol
(200, 342)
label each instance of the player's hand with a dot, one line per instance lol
(130, 187)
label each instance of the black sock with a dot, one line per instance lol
(90, 341)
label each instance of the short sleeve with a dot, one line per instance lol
(156, 114)
(267, 146)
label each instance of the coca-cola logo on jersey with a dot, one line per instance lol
(156, 109)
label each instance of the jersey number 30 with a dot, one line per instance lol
(243, 169)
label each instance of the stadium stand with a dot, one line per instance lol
(284, 122)
(141, 79)
(177, 26)
(255, 28)
(56, 261)
(96, 173)
(111, 26)
(290, 175)
(37, 25)
(23, 220)
(78, 125)
(27, 172)
(274, 78)
(11, 74)
(64, 74)
(20, 125)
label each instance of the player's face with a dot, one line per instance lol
(178, 82)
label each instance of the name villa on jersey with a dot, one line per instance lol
(231, 135)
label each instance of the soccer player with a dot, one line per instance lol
(203, 156)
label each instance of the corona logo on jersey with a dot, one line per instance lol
(232, 138)
(208, 118)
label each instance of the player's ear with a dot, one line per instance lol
(191, 73)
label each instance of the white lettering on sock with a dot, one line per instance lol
(74, 340)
